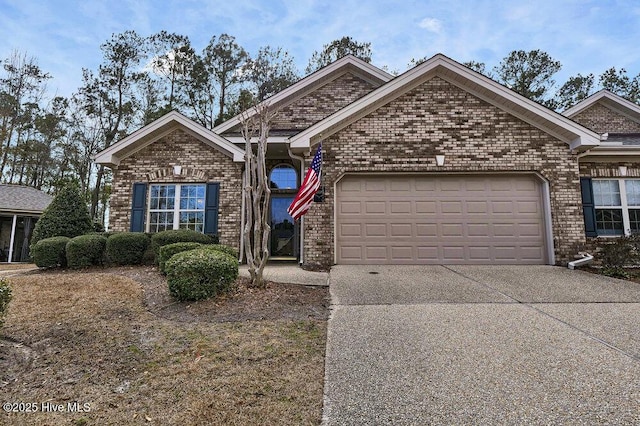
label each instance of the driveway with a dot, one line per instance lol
(419, 345)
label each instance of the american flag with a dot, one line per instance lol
(309, 187)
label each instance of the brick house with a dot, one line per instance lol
(438, 165)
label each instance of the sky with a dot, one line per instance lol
(586, 36)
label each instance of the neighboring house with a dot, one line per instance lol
(438, 165)
(20, 207)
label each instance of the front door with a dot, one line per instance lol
(284, 241)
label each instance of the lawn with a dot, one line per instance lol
(118, 349)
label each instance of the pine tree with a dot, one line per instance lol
(66, 216)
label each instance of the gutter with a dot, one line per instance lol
(301, 160)
(585, 260)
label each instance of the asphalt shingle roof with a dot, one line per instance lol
(632, 139)
(18, 198)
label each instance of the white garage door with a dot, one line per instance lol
(410, 219)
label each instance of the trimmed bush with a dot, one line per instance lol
(167, 252)
(66, 216)
(50, 252)
(5, 298)
(86, 250)
(127, 248)
(223, 249)
(179, 236)
(200, 274)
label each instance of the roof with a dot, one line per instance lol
(161, 127)
(576, 136)
(344, 65)
(609, 100)
(23, 199)
(624, 139)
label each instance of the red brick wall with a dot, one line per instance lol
(440, 118)
(200, 163)
(603, 120)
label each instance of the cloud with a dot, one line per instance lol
(431, 24)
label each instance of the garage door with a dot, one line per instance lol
(407, 219)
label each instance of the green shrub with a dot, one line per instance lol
(222, 248)
(127, 248)
(5, 298)
(66, 216)
(86, 250)
(200, 273)
(167, 252)
(179, 236)
(615, 255)
(50, 252)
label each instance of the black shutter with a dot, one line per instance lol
(211, 209)
(588, 207)
(138, 207)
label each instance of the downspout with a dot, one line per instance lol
(586, 259)
(301, 160)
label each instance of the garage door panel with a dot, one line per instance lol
(426, 207)
(375, 230)
(407, 219)
(477, 207)
(428, 254)
(480, 253)
(426, 230)
(401, 230)
(351, 230)
(400, 207)
(375, 207)
(378, 253)
(350, 207)
(402, 253)
(447, 207)
(453, 253)
(375, 185)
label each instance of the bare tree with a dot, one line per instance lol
(257, 193)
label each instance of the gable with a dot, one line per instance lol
(603, 119)
(322, 102)
(158, 129)
(320, 83)
(571, 133)
(438, 117)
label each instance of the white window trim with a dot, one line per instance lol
(624, 206)
(176, 205)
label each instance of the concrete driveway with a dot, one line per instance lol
(422, 345)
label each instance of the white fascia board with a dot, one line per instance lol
(302, 85)
(415, 76)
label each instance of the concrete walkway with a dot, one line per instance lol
(417, 345)
(290, 273)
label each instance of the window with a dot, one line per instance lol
(617, 206)
(284, 177)
(176, 207)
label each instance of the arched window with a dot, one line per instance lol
(284, 176)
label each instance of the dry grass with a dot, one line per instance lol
(15, 266)
(87, 337)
